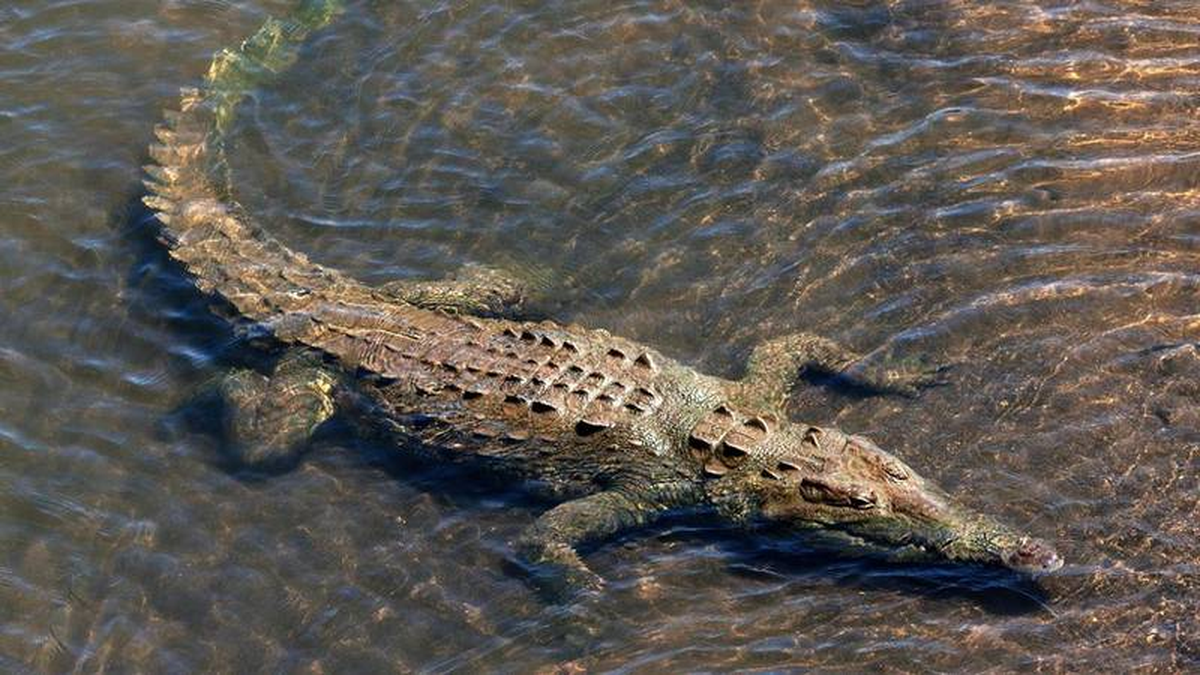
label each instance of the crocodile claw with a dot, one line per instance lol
(909, 384)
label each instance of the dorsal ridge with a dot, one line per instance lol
(216, 241)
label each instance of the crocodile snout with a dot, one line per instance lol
(1032, 556)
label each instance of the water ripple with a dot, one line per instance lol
(1008, 187)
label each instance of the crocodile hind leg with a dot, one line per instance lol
(268, 419)
(475, 289)
(548, 545)
(776, 366)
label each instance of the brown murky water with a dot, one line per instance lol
(1011, 187)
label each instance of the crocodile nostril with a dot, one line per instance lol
(1033, 555)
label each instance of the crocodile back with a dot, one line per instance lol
(503, 384)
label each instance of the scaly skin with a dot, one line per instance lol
(619, 431)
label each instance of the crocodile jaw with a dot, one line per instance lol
(949, 531)
(978, 538)
(849, 484)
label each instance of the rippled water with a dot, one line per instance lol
(1010, 187)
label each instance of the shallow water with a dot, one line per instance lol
(1010, 187)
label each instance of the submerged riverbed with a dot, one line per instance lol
(1008, 187)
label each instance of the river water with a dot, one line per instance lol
(1009, 187)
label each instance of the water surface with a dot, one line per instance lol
(1010, 187)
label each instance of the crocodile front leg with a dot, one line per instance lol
(476, 289)
(549, 543)
(776, 366)
(267, 419)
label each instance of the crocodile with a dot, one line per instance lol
(615, 431)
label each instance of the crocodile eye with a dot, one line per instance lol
(820, 492)
(813, 491)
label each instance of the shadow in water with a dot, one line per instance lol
(769, 552)
(777, 551)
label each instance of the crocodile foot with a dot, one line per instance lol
(775, 367)
(904, 377)
(268, 419)
(557, 570)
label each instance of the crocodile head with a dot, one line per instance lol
(822, 477)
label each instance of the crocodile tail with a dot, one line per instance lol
(203, 227)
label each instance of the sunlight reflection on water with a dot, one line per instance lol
(1009, 187)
